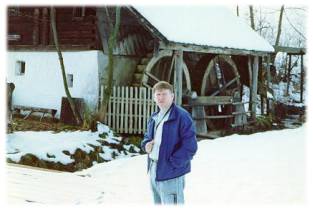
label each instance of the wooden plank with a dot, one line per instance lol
(113, 125)
(140, 111)
(149, 106)
(101, 93)
(211, 100)
(118, 108)
(136, 118)
(288, 75)
(290, 50)
(198, 112)
(213, 117)
(45, 27)
(240, 114)
(178, 77)
(122, 99)
(131, 111)
(302, 80)
(109, 113)
(126, 114)
(254, 85)
(268, 84)
(144, 115)
(250, 81)
(36, 27)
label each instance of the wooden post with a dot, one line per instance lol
(45, 27)
(262, 95)
(268, 84)
(255, 69)
(250, 81)
(302, 77)
(36, 27)
(288, 76)
(178, 83)
(198, 112)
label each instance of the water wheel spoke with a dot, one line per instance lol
(225, 86)
(152, 76)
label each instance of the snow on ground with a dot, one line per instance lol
(263, 168)
(49, 146)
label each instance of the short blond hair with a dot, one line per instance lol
(162, 85)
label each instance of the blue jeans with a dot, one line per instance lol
(166, 192)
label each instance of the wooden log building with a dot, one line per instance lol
(207, 55)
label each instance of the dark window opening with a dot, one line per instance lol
(78, 12)
(69, 79)
(20, 68)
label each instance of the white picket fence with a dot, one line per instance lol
(129, 109)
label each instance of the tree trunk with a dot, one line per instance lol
(252, 17)
(111, 44)
(279, 26)
(67, 92)
(237, 10)
(280, 22)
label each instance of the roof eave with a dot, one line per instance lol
(146, 24)
(171, 45)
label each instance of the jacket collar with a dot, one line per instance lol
(173, 113)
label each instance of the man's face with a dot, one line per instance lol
(163, 98)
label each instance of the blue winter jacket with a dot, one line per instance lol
(178, 144)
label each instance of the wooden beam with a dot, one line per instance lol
(45, 27)
(211, 100)
(255, 73)
(209, 49)
(146, 24)
(36, 26)
(288, 75)
(250, 81)
(213, 117)
(262, 95)
(152, 76)
(178, 77)
(290, 50)
(225, 86)
(198, 112)
(302, 80)
(268, 84)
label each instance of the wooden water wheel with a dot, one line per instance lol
(221, 79)
(161, 67)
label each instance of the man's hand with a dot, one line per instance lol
(149, 146)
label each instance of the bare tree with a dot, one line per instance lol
(237, 10)
(252, 17)
(111, 45)
(279, 26)
(67, 92)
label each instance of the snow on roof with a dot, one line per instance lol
(214, 26)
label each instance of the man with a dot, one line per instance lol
(170, 142)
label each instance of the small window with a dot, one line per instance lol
(20, 68)
(78, 12)
(69, 79)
